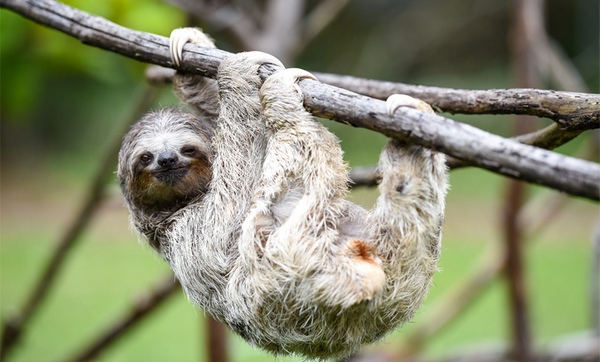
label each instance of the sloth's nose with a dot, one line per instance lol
(167, 159)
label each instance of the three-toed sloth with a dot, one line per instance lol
(245, 201)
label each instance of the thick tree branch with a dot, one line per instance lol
(548, 138)
(469, 144)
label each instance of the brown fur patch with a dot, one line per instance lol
(196, 181)
(142, 182)
(361, 251)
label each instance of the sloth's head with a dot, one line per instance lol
(165, 162)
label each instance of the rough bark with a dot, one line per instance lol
(568, 109)
(469, 144)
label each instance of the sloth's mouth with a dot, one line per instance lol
(171, 176)
(172, 169)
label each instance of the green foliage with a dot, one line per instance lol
(54, 87)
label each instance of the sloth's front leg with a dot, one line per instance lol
(299, 212)
(199, 92)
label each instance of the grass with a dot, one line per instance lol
(108, 269)
(103, 277)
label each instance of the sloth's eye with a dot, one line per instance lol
(188, 151)
(146, 158)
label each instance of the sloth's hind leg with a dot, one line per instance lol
(407, 219)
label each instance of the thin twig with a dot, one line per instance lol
(145, 305)
(456, 301)
(527, 32)
(217, 341)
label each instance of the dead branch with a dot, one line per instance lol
(146, 304)
(547, 138)
(573, 112)
(14, 327)
(469, 144)
(473, 146)
(569, 109)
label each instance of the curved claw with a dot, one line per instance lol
(396, 101)
(289, 77)
(263, 58)
(300, 73)
(179, 37)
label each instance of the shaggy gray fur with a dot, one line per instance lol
(272, 249)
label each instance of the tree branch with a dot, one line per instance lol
(569, 109)
(469, 144)
(548, 138)
(13, 328)
(143, 307)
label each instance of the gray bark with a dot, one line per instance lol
(470, 145)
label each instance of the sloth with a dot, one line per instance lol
(245, 199)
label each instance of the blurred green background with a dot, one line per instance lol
(63, 102)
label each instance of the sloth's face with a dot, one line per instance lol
(170, 170)
(165, 162)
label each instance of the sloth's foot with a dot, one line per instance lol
(179, 37)
(396, 101)
(282, 99)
